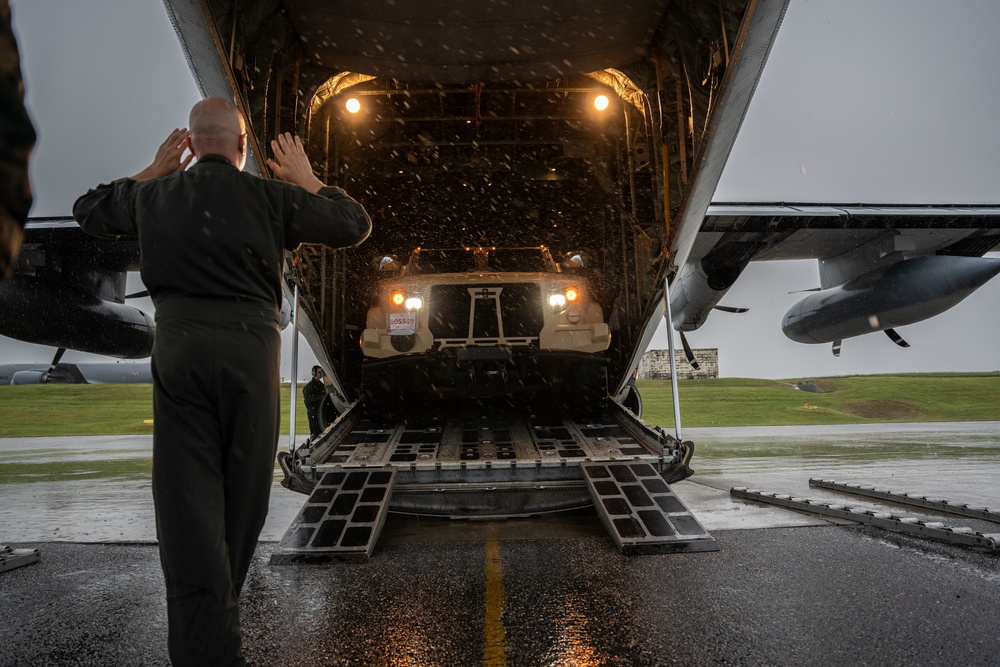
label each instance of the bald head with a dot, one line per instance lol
(217, 129)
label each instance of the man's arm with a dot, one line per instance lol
(291, 164)
(109, 210)
(168, 157)
(333, 218)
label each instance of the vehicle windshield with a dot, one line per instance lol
(466, 260)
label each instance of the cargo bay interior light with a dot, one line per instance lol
(601, 102)
(353, 105)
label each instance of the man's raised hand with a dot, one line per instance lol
(291, 163)
(168, 157)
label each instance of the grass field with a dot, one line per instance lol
(844, 400)
(48, 410)
(96, 409)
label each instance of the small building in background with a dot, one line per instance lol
(655, 365)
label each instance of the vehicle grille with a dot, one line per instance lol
(520, 311)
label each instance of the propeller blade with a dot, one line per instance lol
(55, 360)
(731, 309)
(688, 353)
(836, 347)
(896, 338)
(136, 295)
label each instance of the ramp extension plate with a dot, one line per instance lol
(641, 512)
(342, 518)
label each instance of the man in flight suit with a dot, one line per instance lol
(211, 240)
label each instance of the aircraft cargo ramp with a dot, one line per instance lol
(487, 460)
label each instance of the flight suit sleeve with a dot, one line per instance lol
(330, 217)
(108, 209)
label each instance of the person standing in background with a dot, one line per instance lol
(314, 393)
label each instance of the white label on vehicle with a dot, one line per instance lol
(402, 324)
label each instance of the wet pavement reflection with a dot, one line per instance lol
(542, 591)
(953, 460)
(93, 489)
(96, 489)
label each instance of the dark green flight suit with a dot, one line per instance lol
(313, 395)
(211, 241)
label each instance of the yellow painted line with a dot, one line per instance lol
(494, 635)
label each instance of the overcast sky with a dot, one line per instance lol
(890, 101)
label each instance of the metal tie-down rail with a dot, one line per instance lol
(936, 530)
(914, 500)
(14, 558)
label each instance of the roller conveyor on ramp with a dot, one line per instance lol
(935, 530)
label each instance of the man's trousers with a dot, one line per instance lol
(215, 431)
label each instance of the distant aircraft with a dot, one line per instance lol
(79, 373)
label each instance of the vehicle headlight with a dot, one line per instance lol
(572, 294)
(557, 300)
(414, 303)
(397, 298)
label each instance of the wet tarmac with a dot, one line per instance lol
(785, 589)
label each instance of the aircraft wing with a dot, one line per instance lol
(54, 244)
(68, 291)
(880, 266)
(816, 231)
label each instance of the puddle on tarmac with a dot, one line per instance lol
(93, 489)
(957, 461)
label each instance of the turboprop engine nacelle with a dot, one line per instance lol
(906, 292)
(697, 293)
(49, 313)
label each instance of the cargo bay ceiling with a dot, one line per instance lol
(475, 125)
(475, 42)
